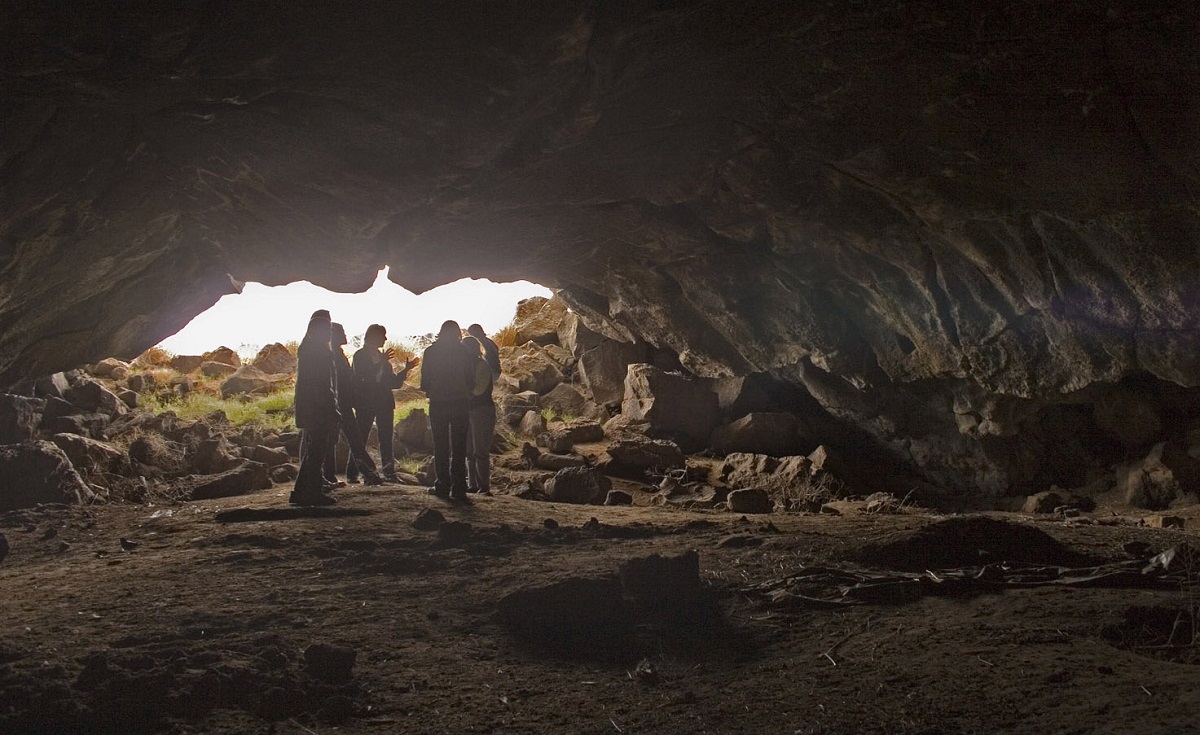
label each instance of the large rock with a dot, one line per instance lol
(248, 477)
(36, 472)
(564, 438)
(575, 336)
(776, 434)
(54, 385)
(532, 424)
(511, 408)
(414, 431)
(91, 396)
(766, 472)
(675, 407)
(603, 368)
(19, 418)
(275, 358)
(578, 485)
(249, 379)
(538, 319)
(750, 500)
(565, 401)
(110, 367)
(186, 363)
(632, 457)
(531, 367)
(222, 355)
(214, 369)
(89, 455)
(1167, 474)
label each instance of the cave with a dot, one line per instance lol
(955, 226)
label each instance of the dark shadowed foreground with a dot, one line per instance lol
(222, 617)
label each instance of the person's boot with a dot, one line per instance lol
(311, 498)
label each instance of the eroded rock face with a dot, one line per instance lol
(933, 217)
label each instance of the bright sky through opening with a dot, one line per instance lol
(262, 314)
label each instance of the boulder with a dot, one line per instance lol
(511, 408)
(284, 473)
(186, 363)
(575, 336)
(618, 497)
(36, 472)
(555, 462)
(90, 395)
(632, 457)
(674, 406)
(112, 368)
(775, 433)
(214, 455)
(141, 382)
(89, 455)
(246, 478)
(1165, 475)
(603, 369)
(130, 398)
(532, 424)
(249, 379)
(538, 318)
(531, 367)
(19, 417)
(578, 485)
(414, 431)
(564, 438)
(738, 396)
(223, 355)
(270, 456)
(55, 386)
(213, 369)
(565, 401)
(763, 471)
(275, 358)
(750, 500)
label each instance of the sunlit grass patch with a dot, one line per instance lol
(272, 411)
(404, 409)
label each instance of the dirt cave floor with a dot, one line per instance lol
(237, 616)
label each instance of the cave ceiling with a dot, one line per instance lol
(995, 195)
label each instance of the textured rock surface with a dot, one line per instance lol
(38, 472)
(932, 216)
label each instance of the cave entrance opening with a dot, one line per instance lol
(261, 314)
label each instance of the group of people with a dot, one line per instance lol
(335, 395)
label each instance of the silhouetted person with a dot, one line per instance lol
(447, 378)
(491, 352)
(360, 461)
(316, 410)
(376, 404)
(482, 421)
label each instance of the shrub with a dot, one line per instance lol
(155, 357)
(506, 337)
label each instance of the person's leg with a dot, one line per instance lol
(472, 469)
(483, 431)
(309, 488)
(458, 420)
(309, 476)
(387, 458)
(329, 463)
(439, 423)
(360, 460)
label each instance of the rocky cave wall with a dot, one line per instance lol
(941, 219)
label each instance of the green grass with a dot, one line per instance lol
(550, 414)
(271, 411)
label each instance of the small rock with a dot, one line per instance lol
(1163, 521)
(330, 663)
(1043, 502)
(213, 369)
(580, 485)
(428, 519)
(130, 398)
(646, 673)
(284, 473)
(555, 462)
(750, 500)
(532, 423)
(550, 524)
(618, 497)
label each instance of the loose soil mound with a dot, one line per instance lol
(967, 542)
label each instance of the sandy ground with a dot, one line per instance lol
(204, 625)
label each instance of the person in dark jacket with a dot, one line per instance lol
(316, 410)
(447, 378)
(482, 421)
(376, 404)
(491, 352)
(360, 461)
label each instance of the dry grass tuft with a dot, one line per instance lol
(506, 337)
(155, 357)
